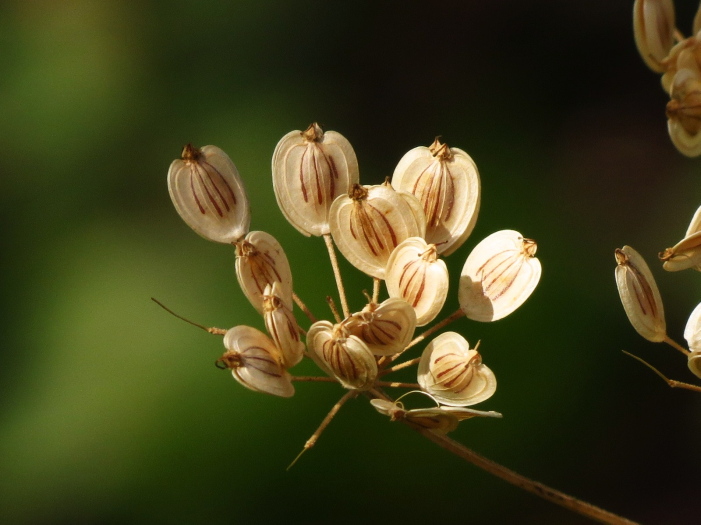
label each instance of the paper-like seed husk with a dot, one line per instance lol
(265, 264)
(686, 101)
(697, 21)
(685, 254)
(448, 190)
(282, 326)
(396, 411)
(261, 369)
(653, 28)
(346, 358)
(415, 274)
(681, 260)
(453, 374)
(366, 230)
(386, 328)
(639, 295)
(208, 193)
(684, 54)
(308, 175)
(498, 276)
(692, 334)
(434, 419)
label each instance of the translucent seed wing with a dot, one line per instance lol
(653, 28)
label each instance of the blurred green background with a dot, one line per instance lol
(111, 410)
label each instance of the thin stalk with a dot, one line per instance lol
(334, 310)
(405, 364)
(325, 423)
(394, 384)
(445, 322)
(529, 485)
(304, 308)
(337, 274)
(677, 346)
(316, 379)
(210, 329)
(671, 382)
(376, 289)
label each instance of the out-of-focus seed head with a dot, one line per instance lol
(684, 111)
(371, 221)
(255, 362)
(341, 355)
(639, 295)
(310, 169)
(447, 184)
(684, 54)
(692, 334)
(500, 273)
(386, 328)
(282, 326)
(208, 193)
(261, 261)
(653, 27)
(416, 274)
(453, 373)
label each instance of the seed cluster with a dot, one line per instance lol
(394, 232)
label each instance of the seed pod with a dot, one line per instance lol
(653, 27)
(433, 419)
(261, 261)
(255, 362)
(310, 169)
(282, 326)
(692, 334)
(639, 295)
(500, 273)
(396, 412)
(684, 111)
(341, 355)
(370, 222)
(207, 192)
(454, 374)
(414, 273)
(447, 184)
(685, 254)
(684, 54)
(386, 328)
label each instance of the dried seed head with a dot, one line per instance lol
(386, 328)
(370, 222)
(685, 54)
(414, 273)
(261, 261)
(500, 273)
(282, 326)
(454, 374)
(310, 169)
(692, 334)
(639, 295)
(208, 193)
(684, 111)
(433, 419)
(653, 27)
(255, 362)
(447, 184)
(341, 355)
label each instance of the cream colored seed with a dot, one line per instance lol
(639, 295)
(653, 27)
(684, 110)
(692, 334)
(385, 328)
(310, 169)
(207, 192)
(282, 326)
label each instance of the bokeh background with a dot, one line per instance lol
(111, 410)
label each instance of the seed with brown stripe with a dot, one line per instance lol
(282, 325)
(386, 328)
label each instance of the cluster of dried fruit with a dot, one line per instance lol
(393, 232)
(666, 51)
(641, 297)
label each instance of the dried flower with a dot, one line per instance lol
(416, 274)
(639, 295)
(310, 169)
(500, 273)
(453, 373)
(385, 328)
(208, 193)
(255, 362)
(446, 182)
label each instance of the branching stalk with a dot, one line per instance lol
(337, 274)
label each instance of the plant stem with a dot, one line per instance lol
(677, 346)
(405, 364)
(376, 289)
(452, 317)
(529, 485)
(394, 384)
(304, 308)
(211, 329)
(337, 274)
